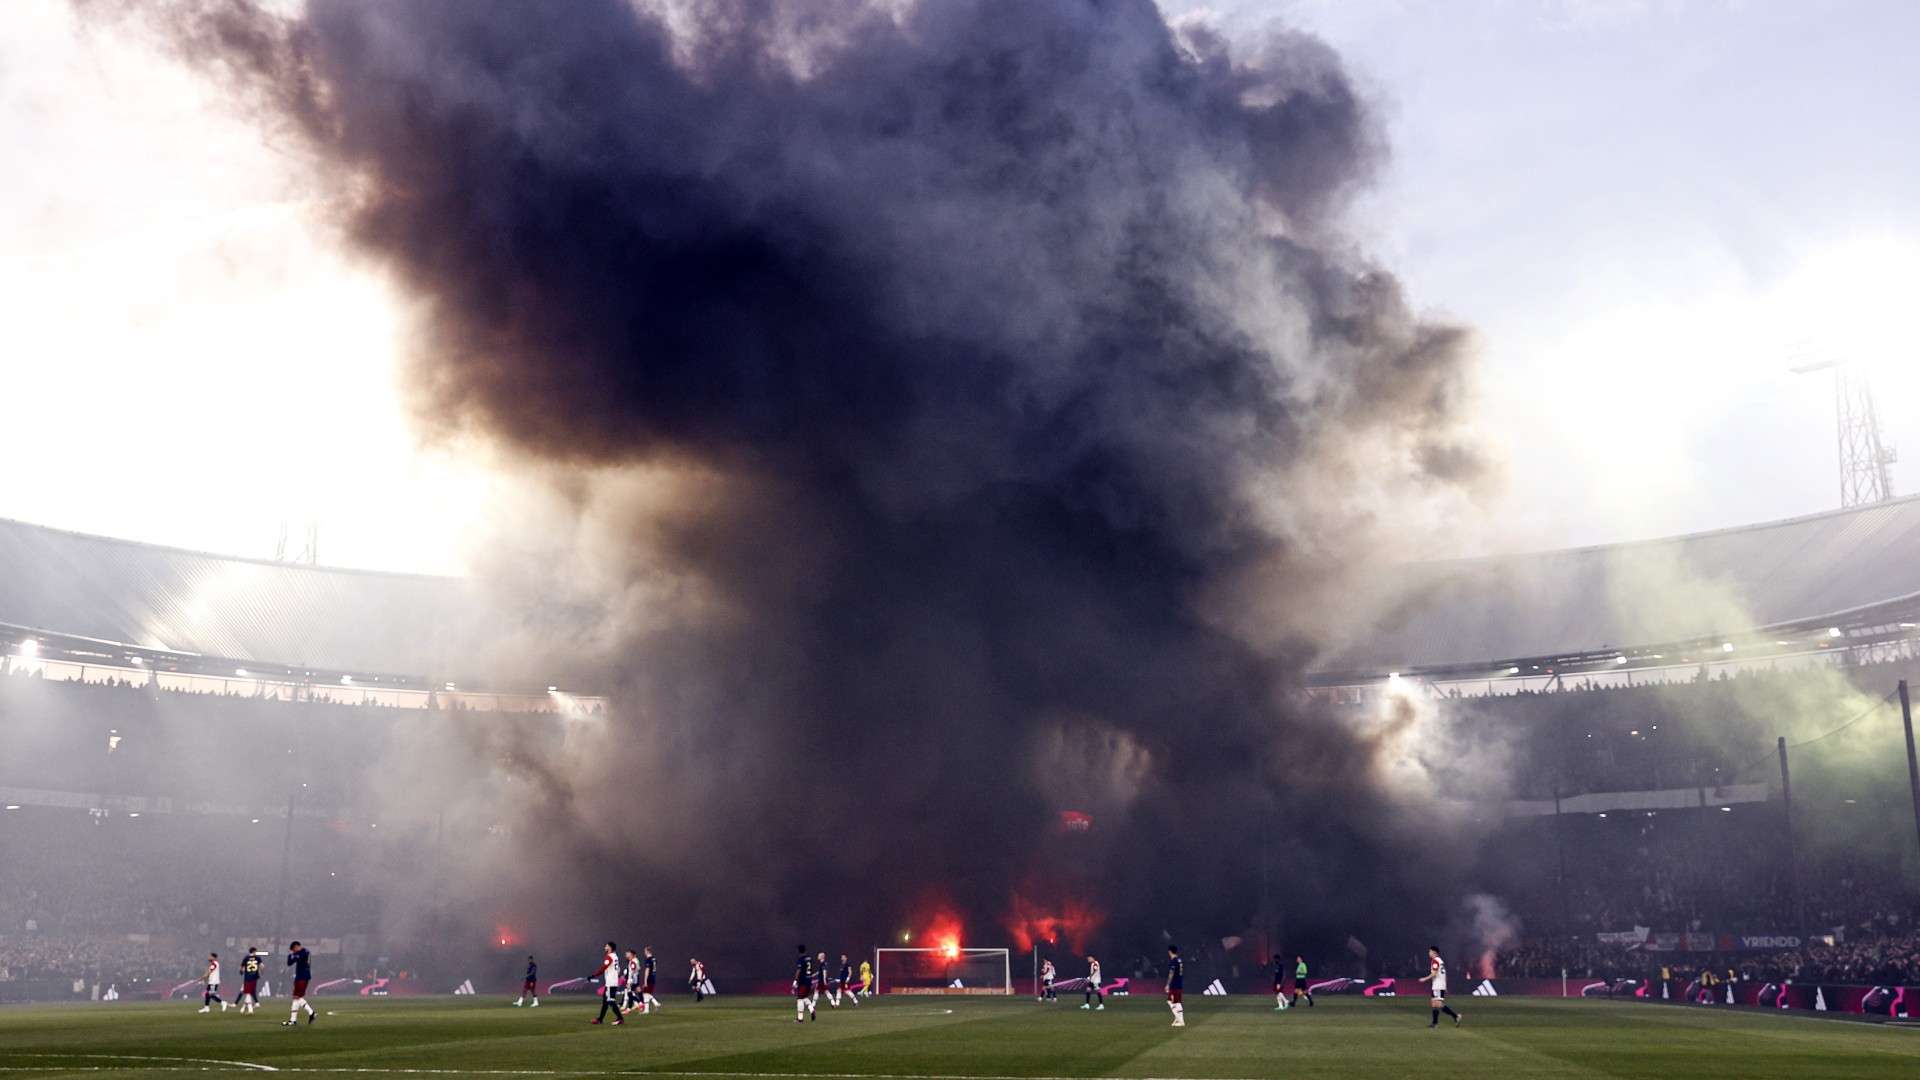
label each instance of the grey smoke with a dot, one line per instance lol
(993, 414)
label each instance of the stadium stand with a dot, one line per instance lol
(1638, 790)
(1636, 694)
(196, 745)
(1773, 589)
(95, 609)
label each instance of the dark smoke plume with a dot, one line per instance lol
(997, 415)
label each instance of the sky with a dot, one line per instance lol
(1648, 212)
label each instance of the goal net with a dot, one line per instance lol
(943, 971)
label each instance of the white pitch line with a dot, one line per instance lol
(212, 1065)
(251, 1066)
(220, 1065)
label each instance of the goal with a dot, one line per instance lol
(943, 971)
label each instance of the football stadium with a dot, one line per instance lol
(1711, 853)
(901, 538)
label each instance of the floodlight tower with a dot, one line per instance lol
(308, 555)
(1865, 458)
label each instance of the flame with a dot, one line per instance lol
(1072, 923)
(942, 931)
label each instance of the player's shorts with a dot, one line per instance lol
(528, 985)
(1173, 995)
(1437, 993)
(249, 986)
(300, 987)
(801, 990)
(647, 987)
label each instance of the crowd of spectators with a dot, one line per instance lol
(121, 961)
(1879, 959)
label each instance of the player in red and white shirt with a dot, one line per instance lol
(608, 976)
(630, 998)
(213, 985)
(1437, 975)
(697, 979)
(1094, 987)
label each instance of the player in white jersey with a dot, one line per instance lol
(630, 997)
(1093, 986)
(608, 976)
(1046, 981)
(213, 985)
(1437, 975)
(697, 979)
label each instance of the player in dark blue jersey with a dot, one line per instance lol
(843, 983)
(301, 961)
(1279, 983)
(803, 976)
(250, 969)
(648, 1002)
(1176, 985)
(530, 987)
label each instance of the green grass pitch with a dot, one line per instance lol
(1235, 1037)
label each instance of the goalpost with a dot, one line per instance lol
(943, 971)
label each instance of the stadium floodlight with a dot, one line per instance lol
(242, 672)
(29, 648)
(1726, 646)
(1833, 631)
(961, 971)
(553, 689)
(13, 806)
(450, 686)
(346, 680)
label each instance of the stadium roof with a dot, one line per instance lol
(1846, 568)
(164, 599)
